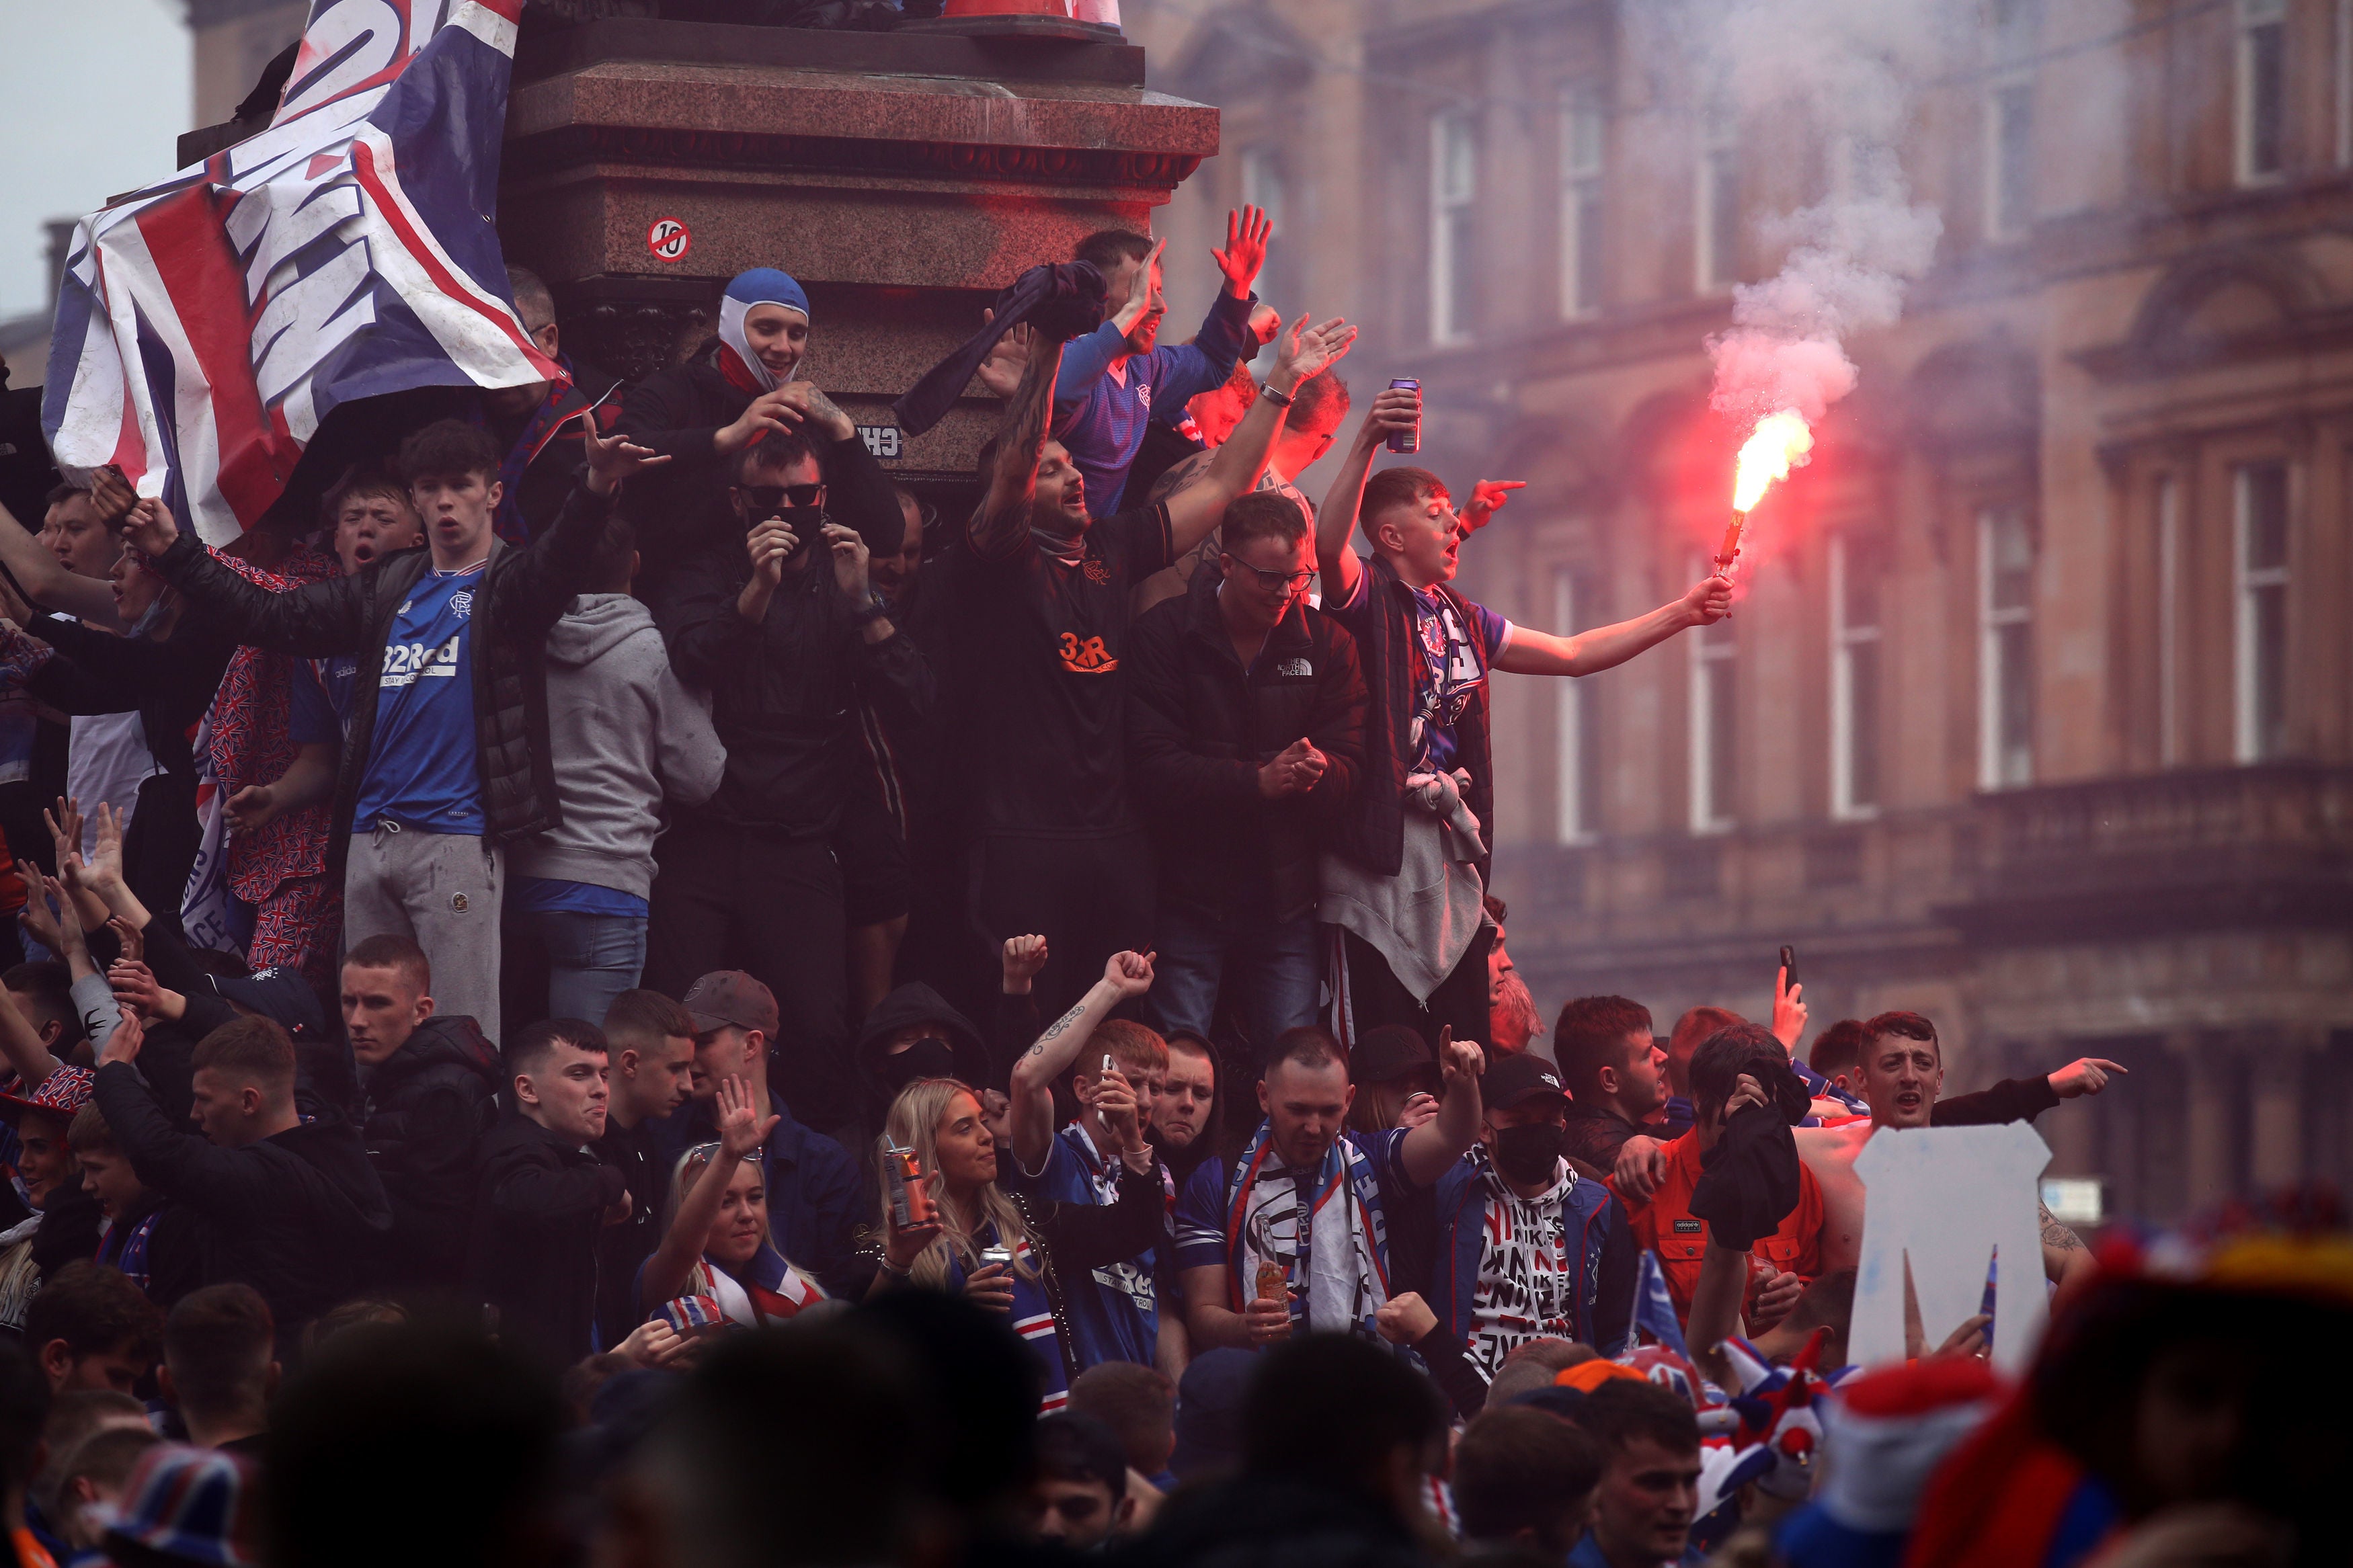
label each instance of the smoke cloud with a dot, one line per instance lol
(1839, 64)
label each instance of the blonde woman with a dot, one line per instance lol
(1047, 1242)
(715, 1239)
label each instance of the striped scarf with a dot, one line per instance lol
(1324, 1228)
(768, 1291)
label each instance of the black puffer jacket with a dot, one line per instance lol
(424, 1113)
(523, 593)
(1199, 726)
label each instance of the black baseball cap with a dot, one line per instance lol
(1521, 1077)
(279, 994)
(1389, 1052)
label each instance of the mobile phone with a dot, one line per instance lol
(1104, 1071)
(1788, 966)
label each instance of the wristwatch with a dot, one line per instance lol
(1279, 399)
(872, 610)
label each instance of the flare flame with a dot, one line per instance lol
(1780, 442)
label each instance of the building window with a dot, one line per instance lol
(1582, 128)
(2260, 497)
(1719, 200)
(1857, 574)
(1715, 733)
(1453, 239)
(2168, 621)
(2010, 160)
(2005, 649)
(2262, 97)
(1577, 816)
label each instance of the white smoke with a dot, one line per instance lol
(1843, 66)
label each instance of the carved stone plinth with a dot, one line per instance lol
(903, 178)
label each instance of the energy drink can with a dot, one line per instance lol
(1406, 441)
(902, 1172)
(998, 1253)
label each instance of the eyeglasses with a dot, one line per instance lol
(766, 499)
(700, 1154)
(1278, 581)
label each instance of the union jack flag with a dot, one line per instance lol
(207, 324)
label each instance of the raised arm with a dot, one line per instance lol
(1396, 408)
(1002, 522)
(538, 588)
(20, 1043)
(742, 1131)
(314, 620)
(45, 579)
(1303, 352)
(1542, 653)
(1438, 1142)
(1033, 1123)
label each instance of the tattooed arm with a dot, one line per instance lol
(1032, 1118)
(997, 528)
(2066, 1261)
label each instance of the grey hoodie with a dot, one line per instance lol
(625, 734)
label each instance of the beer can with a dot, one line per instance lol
(1406, 441)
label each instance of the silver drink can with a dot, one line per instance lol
(1406, 441)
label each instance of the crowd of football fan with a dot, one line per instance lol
(833, 1033)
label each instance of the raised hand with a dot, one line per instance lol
(1395, 408)
(1788, 1010)
(1130, 974)
(1001, 370)
(771, 543)
(1487, 499)
(1709, 600)
(743, 1131)
(769, 410)
(1306, 352)
(612, 458)
(1245, 251)
(133, 939)
(134, 986)
(1113, 1099)
(65, 829)
(122, 1045)
(105, 869)
(149, 527)
(2087, 1075)
(802, 398)
(1024, 956)
(112, 496)
(41, 921)
(850, 560)
(1458, 1060)
(1144, 294)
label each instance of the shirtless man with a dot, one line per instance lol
(1902, 1068)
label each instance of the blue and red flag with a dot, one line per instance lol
(207, 324)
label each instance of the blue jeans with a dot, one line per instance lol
(591, 959)
(1266, 967)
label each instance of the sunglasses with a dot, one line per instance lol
(1278, 581)
(699, 1154)
(767, 499)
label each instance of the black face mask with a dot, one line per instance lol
(930, 1057)
(1530, 1154)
